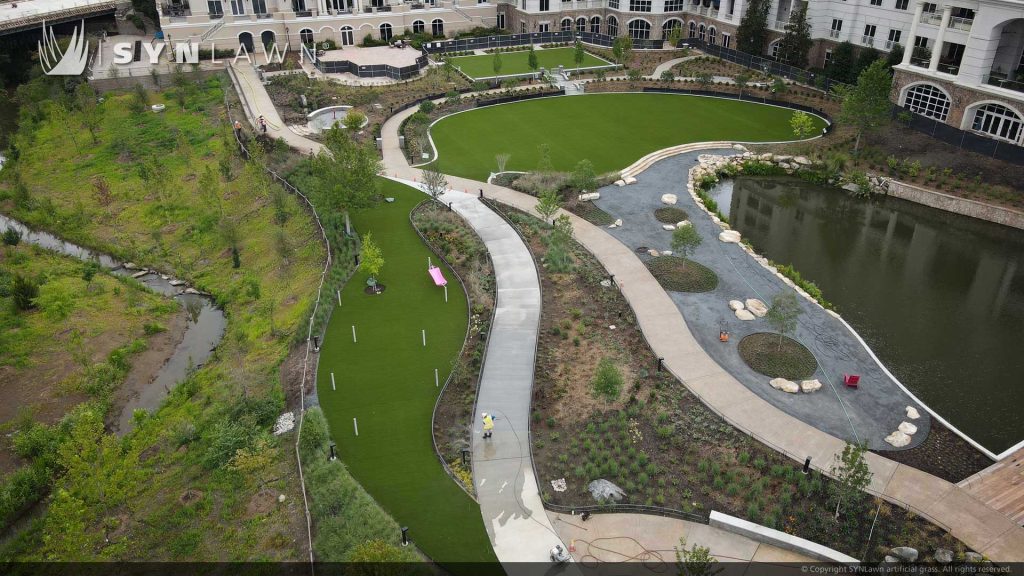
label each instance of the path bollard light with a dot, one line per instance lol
(807, 465)
(405, 535)
(481, 193)
(334, 455)
(660, 362)
(465, 457)
(316, 343)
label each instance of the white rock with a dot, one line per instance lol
(907, 428)
(611, 327)
(739, 147)
(784, 385)
(130, 266)
(192, 291)
(898, 439)
(744, 315)
(669, 199)
(618, 222)
(177, 282)
(629, 180)
(730, 236)
(140, 274)
(809, 386)
(802, 160)
(590, 196)
(668, 226)
(912, 413)
(654, 252)
(682, 223)
(282, 498)
(757, 307)
(735, 305)
(666, 252)
(620, 183)
(285, 422)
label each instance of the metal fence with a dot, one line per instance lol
(963, 139)
(509, 40)
(517, 98)
(368, 70)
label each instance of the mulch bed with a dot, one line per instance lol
(590, 212)
(942, 454)
(682, 275)
(764, 354)
(670, 215)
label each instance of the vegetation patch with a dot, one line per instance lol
(682, 275)
(670, 215)
(777, 356)
(518, 62)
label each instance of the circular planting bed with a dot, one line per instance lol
(764, 354)
(374, 290)
(682, 275)
(670, 215)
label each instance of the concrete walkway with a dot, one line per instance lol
(981, 527)
(668, 64)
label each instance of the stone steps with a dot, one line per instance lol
(647, 161)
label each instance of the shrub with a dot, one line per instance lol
(24, 291)
(11, 237)
(427, 106)
(56, 300)
(608, 380)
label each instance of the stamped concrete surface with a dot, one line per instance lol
(868, 413)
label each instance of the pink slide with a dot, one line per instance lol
(438, 277)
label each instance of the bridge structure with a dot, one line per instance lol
(22, 15)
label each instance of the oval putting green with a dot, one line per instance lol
(610, 130)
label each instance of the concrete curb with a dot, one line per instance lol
(780, 539)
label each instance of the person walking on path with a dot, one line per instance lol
(488, 425)
(263, 124)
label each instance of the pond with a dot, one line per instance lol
(204, 329)
(939, 297)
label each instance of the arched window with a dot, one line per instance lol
(639, 29)
(268, 39)
(595, 25)
(668, 26)
(437, 27)
(692, 32)
(927, 100)
(712, 35)
(773, 48)
(347, 38)
(613, 26)
(700, 32)
(385, 31)
(997, 121)
(306, 36)
(566, 25)
(245, 39)
(581, 25)
(418, 27)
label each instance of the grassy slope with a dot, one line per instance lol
(517, 62)
(169, 506)
(611, 130)
(386, 380)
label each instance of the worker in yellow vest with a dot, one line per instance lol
(488, 425)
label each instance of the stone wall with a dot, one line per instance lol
(963, 206)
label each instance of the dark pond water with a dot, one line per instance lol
(203, 331)
(938, 297)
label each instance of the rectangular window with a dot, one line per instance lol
(501, 20)
(545, 5)
(902, 4)
(260, 6)
(929, 8)
(869, 30)
(920, 42)
(544, 27)
(639, 5)
(522, 27)
(837, 25)
(675, 5)
(828, 57)
(726, 40)
(238, 7)
(215, 8)
(876, 2)
(894, 36)
(614, 4)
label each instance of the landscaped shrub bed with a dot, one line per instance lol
(450, 236)
(670, 215)
(777, 356)
(590, 212)
(682, 275)
(658, 441)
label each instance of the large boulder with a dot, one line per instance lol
(682, 223)
(729, 236)
(907, 428)
(757, 307)
(912, 413)
(590, 196)
(973, 557)
(735, 305)
(785, 385)
(905, 553)
(943, 555)
(629, 180)
(669, 199)
(809, 386)
(602, 490)
(744, 315)
(898, 439)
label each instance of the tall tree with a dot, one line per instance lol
(783, 314)
(866, 105)
(531, 60)
(752, 34)
(866, 57)
(346, 174)
(434, 181)
(797, 43)
(622, 50)
(578, 54)
(842, 65)
(371, 258)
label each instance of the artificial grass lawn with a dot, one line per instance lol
(386, 380)
(518, 62)
(610, 130)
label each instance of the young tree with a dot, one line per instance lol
(783, 314)
(89, 113)
(345, 178)
(685, 240)
(852, 475)
(354, 121)
(434, 181)
(741, 81)
(667, 76)
(56, 300)
(502, 160)
(11, 237)
(797, 42)
(622, 50)
(371, 259)
(841, 67)
(704, 79)
(802, 124)
(449, 67)
(697, 561)
(583, 177)
(255, 461)
(532, 61)
(675, 34)
(24, 292)
(496, 65)
(548, 203)
(578, 54)
(752, 34)
(866, 105)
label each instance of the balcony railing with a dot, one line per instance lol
(1001, 81)
(264, 16)
(216, 15)
(933, 18)
(947, 68)
(867, 40)
(961, 24)
(304, 14)
(834, 33)
(172, 11)
(920, 62)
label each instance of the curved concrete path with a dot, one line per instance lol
(981, 527)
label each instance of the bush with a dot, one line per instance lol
(11, 237)
(24, 291)
(56, 300)
(608, 380)
(427, 106)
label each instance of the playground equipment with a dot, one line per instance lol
(438, 277)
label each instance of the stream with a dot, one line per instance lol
(204, 329)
